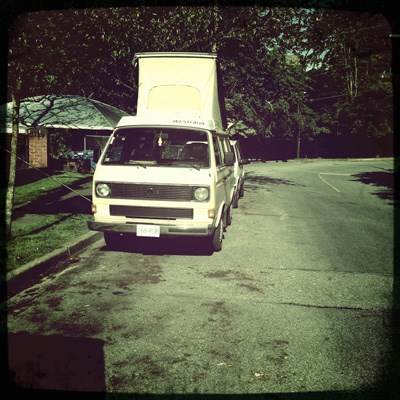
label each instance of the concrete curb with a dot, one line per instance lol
(56, 255)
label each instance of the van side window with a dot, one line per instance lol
(239, 151)
(217, 151)
(230, 147)
(226, 146)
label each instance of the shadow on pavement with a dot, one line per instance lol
(56, 363)
(254, 182)
(130, 243)
(379, 179)
(60, 201)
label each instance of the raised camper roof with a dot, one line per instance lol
(186, 83)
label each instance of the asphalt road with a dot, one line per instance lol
(298, 300)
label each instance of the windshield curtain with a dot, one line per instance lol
(165, 146)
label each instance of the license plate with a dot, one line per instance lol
(148, 230)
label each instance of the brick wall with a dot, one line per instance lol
(38, 154)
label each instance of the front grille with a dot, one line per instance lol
(151, 212)
(150, 192)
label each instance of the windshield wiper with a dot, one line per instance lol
(183, 162)
(133, 162)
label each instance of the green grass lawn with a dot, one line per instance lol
(44, 233)
(25, 246)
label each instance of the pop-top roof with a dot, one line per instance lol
(179, 83)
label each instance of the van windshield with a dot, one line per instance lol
(158, 146)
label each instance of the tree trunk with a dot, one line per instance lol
(13, 165)
(214, 27)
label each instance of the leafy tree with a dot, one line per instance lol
(355, 70)
(16, 73)
(275, 61)
(290, 74)
(66, 52)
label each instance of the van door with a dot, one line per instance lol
(221, 174)
(225, 177)
(230, 180)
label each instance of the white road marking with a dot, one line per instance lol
(328, 173)
(324, 180)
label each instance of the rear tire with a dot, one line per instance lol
(241, 191)
(235, 200)
(229, 216)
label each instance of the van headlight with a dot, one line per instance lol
(201, 194)
(103, 190)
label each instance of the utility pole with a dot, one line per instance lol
(13, 160)
(298, 131)
(299, 118)
(214, 26)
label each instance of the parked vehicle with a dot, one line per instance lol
(82, 160)
(169, 170)
(238, 172)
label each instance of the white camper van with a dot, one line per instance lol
(168, 171)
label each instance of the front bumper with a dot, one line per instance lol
(165, 230)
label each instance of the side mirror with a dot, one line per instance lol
(244, 161)
(229, 159)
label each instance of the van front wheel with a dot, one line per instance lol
(216, 242)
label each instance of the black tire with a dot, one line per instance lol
(228, 217)
(216, 241)
(241, 191)
(235, 200)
